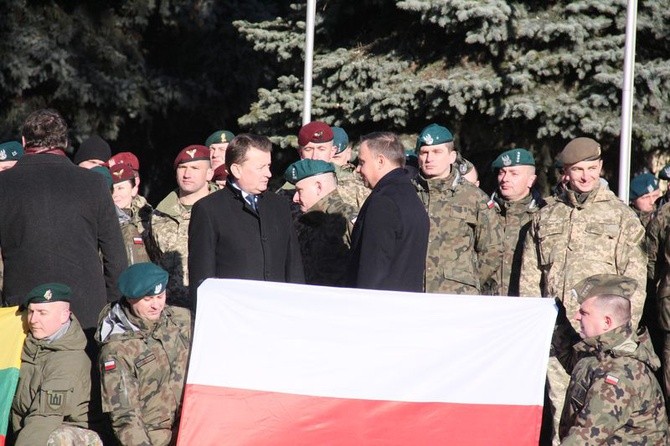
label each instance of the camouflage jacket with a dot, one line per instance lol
(54, 386)
(142, 372)
(645, 217)
(569, 241)
(350, 186)
(658, 252)
(132, 239)
(465, 242)
(168, 245)
(324, 233)
(515, 217)
(613, 396)
(140, 214)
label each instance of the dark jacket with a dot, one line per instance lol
(228, 239)
(390, 237)
(57, 221)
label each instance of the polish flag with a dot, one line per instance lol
(283, 364)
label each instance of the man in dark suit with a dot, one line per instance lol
(240, 231)
(57, 221)
(390, 237)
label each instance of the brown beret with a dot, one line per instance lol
(579, 149)
(192, 153)
(604, 284)
(315, 131)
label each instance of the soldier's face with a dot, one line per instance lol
(149, 308)
(90, 164)
(4, 165)
(123, 194)
(584, 176)
(307, 192)
(253, 174)
(193, 176)
(646, 203)
(217, 154)
(46, 319)
(592, 319)
(323, 151)
(514, 182)
(435, 161)
(342, 158)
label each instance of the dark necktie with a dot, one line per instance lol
(251, 199)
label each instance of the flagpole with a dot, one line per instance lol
(309, 54)
(627, 101)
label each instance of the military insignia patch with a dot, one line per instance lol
(191, 152)
(650, 188)
(118, 173)
(490, 204)
(294, 173)
(428, 139)
(611, 379)
(463, 169)
(56, 398)
(3, 155)
(318, 135)
(667, 171)
(506, 160)
(138, 241)
(158, 288)
(48, 294)
(110, 365)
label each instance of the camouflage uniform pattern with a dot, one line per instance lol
(140, 214)
(350, 186)
(168, 245)
(569, 240)
(613, 396)
(132, 239)
(465, 242)
(143, 370)
(658, 273)
(73, 436)
(324, 233)
(515, 218)
(54, 386)
(644, 217)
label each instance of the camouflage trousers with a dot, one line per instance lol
(558, 380)
(664, 322)
(73, 436)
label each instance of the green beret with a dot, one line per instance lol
(49, 292)
(514, 157)
(580, 149)
(432, 135)
(102, 170)
(604, 284)
(664, 174)
(142, 279)
(642, 185)
(11, 151)
(340, 139)
(307, 168)
(218, 137)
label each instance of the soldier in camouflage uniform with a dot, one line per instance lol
(324, 228)
(587, 230)
(465, 243)
(316, 140)
(658, 273)
(143, 358)
(643, 195)
(139, 210)
(516, 202)
(52, 399)
(168, 244)
(613, 396)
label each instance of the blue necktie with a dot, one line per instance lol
(251, 199)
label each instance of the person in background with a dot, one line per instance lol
(92, 152)
(10, 153)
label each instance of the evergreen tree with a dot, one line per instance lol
(498, 73)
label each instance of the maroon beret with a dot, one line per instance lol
(121, 172)
(315, 131)
(192, 153)
(220, 173)
(124, 158)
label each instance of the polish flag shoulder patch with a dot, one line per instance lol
(110, 365)
(490, 204)
(138, 241)
(611, 379)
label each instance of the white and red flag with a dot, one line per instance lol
(282, 364)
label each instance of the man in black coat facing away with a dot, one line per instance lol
(57, 221)
(390, 237)
(240, 231)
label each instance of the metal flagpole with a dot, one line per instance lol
(627, 101)
(309, 54)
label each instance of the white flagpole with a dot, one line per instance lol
(627, 101)
(309, 54)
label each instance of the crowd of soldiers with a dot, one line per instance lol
(396, 219)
